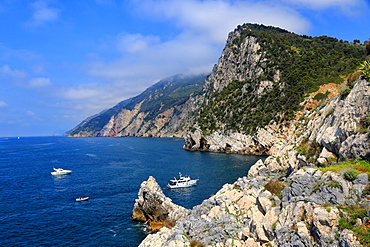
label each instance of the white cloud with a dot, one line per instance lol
(30, 113)
(39, 82)
(42, 13)
(214, 19)
(13, 73)
(203, 29)
(133, 43)
(322, 4)
(80, 92)
(3, 104)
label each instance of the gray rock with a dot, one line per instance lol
(153, 207)
(362, 178)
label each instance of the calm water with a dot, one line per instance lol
(38, 209)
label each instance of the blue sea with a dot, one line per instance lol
(38, 209)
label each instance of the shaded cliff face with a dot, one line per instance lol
(159, 111)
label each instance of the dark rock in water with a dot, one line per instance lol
(153, 207)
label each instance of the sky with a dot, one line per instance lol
(62, 61)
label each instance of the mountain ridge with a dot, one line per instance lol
(144, 111)
(298, 99)
(261, 77)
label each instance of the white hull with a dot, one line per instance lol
(60, 172)
(80, 199)
(182, 184)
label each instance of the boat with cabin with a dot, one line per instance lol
(60, 171)
(181, 182)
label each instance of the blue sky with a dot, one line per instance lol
(64, 60)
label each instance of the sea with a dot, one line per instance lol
(38, 209)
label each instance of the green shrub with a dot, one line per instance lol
(365, 69)
(334, 185)
(344, 224)
(356, 212)
(361, 166)
(350, 174)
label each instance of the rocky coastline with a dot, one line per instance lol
(286, 200)
(269, 208)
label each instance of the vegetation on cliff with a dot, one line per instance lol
(300, 62)
(167, 93)
(163, 95)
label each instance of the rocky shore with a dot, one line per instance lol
(264, 208)
(285, 200)
(333, 124)
(154, 208)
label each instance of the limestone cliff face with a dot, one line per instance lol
(237, 62)
(249, 71)
(266, 208)
(160, 111)
(334, 126)
(339, 132)
(282, 201)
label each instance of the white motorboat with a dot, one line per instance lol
(181, 182)
(60, 171)
(80, 199)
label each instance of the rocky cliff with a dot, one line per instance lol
(283, 201)
(160, 111)
(307, 208)
(256, 89)
(258, 100)
(300, 195)
(295, 98)
(154, 208)
(333, 129)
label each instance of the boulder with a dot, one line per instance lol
(325, 221)
(154, 208)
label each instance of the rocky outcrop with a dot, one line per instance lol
(154, 208)
(338, 131)
(334, 125)
(272, 210)
(237, 62)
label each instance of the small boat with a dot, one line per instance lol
(181, 182)
(80, 199)
(60, 171)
